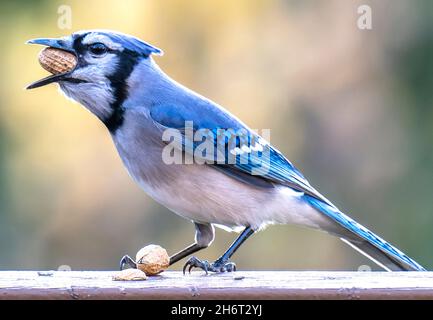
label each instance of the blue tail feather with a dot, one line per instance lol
(371, 242)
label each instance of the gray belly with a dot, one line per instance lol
(203, 194)
(196, 192)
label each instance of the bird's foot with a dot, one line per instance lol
(218, 266)
(127, 263)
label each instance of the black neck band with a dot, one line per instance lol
(127, 61)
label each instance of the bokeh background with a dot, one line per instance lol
(351, 108)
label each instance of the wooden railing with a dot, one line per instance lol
(238, 285)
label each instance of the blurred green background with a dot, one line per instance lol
(351, 108)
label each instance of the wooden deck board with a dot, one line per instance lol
(238, 285)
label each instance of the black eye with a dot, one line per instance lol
(98, 48)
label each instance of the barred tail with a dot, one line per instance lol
(365, 241)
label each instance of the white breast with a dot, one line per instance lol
(201, 193)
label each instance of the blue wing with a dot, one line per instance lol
(248, 157)
(237, 151)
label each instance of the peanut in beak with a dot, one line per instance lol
(57, 61)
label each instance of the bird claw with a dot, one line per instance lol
(217, 267)
(127, 263)
(229, 267)
(194, 262)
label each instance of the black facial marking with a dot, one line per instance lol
(78, 45)
(127, 61)
(80, 49)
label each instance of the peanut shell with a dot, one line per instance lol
(152, 259)
(57, 61)
(129, 275)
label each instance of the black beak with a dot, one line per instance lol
(53, 43)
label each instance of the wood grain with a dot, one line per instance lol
(239, 285)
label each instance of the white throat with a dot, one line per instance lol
(96, 97)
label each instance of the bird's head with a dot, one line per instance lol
(105, 60)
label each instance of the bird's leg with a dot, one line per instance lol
(222, 264)
(204, 235)
(185, 252)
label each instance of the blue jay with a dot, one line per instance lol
(118, 81)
